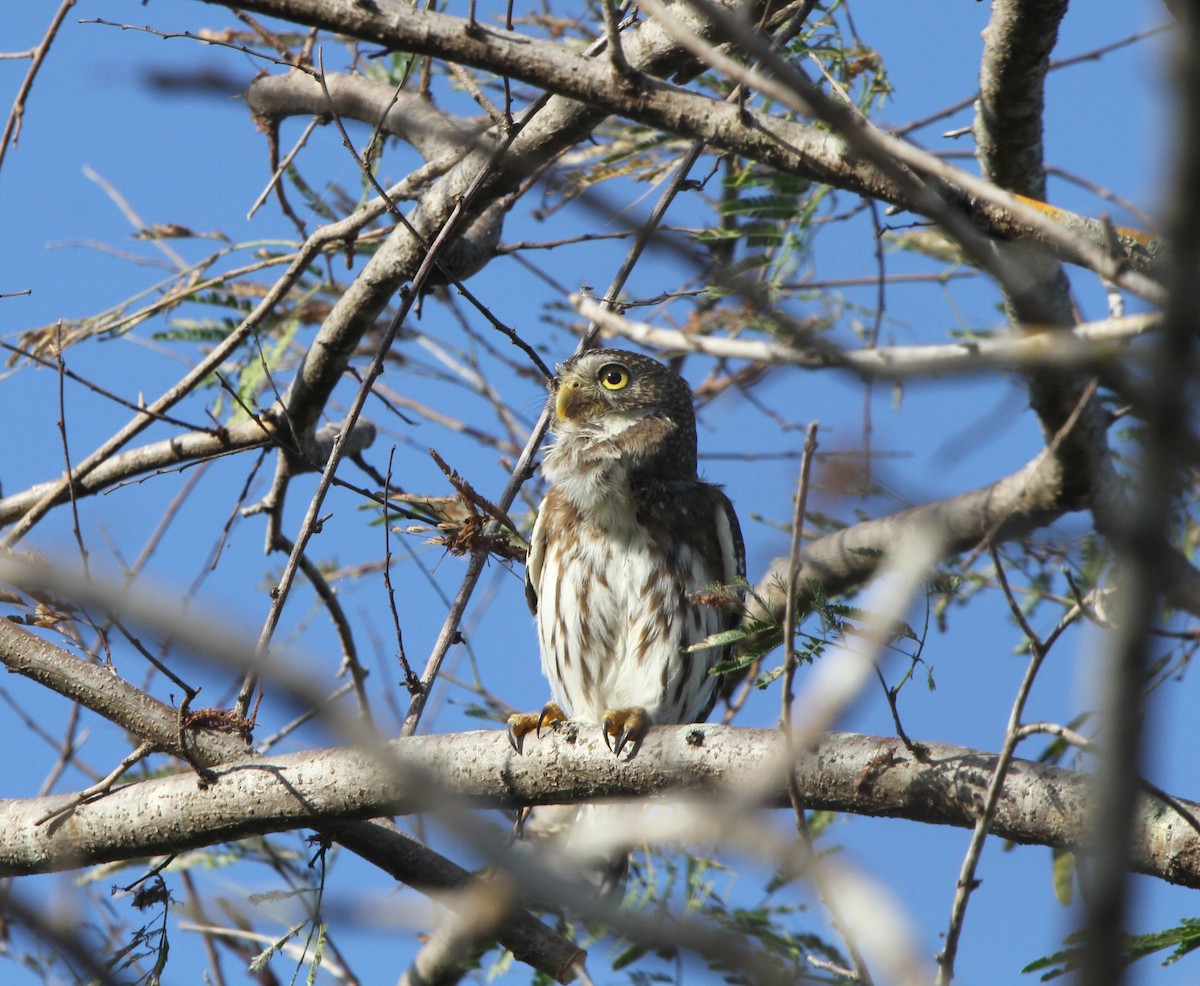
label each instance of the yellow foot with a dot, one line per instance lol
(625, 726)
(521, 724)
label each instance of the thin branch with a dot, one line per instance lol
(795, 795)
(12, 126)
(789, 610)
(66, 450)
(283, 166)
(966, 879)
(101, 787)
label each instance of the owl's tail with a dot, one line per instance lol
(598, 839)
(591, 842)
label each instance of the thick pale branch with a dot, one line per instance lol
(171, 453)
(96, 687)
(792, 147)
(177, 453)
(355, 97)
(866, 775)
(1018, 42)
(1012, 506)
(1091, 345)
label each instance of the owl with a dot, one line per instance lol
(633, 558)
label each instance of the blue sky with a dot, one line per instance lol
(200, 162)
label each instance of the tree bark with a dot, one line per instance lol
(723, 771)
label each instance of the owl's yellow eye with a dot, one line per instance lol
(613, 376)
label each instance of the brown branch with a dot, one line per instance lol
(12, 126)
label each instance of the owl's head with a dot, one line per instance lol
(603, 392)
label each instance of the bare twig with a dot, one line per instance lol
(861, 973)
(102, 786)
(66, 449)
(12, 126)
(1038, 650)
(790, 607)
(283, 166)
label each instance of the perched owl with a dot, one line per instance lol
(633, 559)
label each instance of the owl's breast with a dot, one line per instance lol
(614, 610)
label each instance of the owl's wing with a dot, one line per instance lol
(719, 556)
(733, 549)
(727, 533)
(703, 521)
(533, 560)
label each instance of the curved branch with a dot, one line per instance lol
(1086, 346)
(791, 147)
(378, 841)
(1018, 42)
(411, 117)
(1017, 504)
(866, 775)
(172, 453)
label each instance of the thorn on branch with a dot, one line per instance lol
(412, 682)
(472, 29)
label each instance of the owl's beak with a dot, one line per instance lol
(570, 401)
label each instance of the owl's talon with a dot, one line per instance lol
(517, 729)
(625, 726)
(521, 724)
(551, 714)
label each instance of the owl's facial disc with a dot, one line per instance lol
(590, 398)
